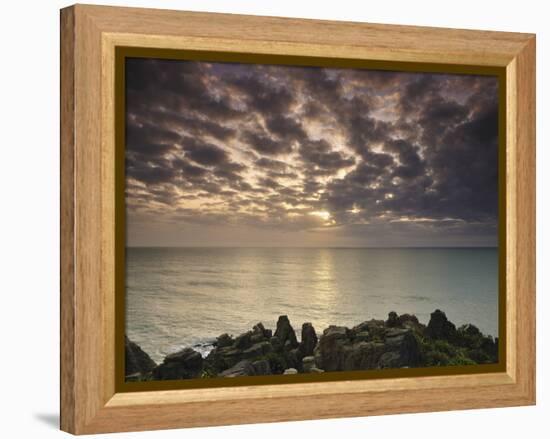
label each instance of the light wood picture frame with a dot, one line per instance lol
(91, 396)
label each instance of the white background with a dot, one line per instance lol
(29, 216)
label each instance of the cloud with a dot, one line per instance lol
(320, 159)
(204, 153)
(386, 154)
(264, 144)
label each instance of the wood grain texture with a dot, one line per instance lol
(525, 220)
(511, 219)
(331, 38)
(67, 254)
(89, 37)
(107, 217)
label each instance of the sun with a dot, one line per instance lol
(323, 214)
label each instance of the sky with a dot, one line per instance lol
(226, 154)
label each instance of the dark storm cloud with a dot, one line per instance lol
(355, 151)
(411, 164)
(152, 174)
(175, 85)
(285, 128)
(270, 164)
(264, 144)
(192, 124)
(204, 153)
(189, 170)
(320, 159)
(262, 93)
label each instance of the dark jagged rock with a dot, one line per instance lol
(335, 333)
(262, 367)
(257, 350)
(256, 338)
(402, 349)
(467, 337)
(330, 353)
(223, 358)
(410, 321)
(285, 332)
(439, 327)
(481, 349)
(243, 341)
(309, 340)
(374, 327)
(469, 330)
(260, 330)
(242, 368)
(260, 333)
(293, 358)
(360, 356)
(136, 361)
(223, 341)
(341, 350)
(393, 320)
(308, 363)
(277, 362)
(276, 343)
(490, 346)
(253, 346)
(362, 336)
(391, 332)
(183, 364)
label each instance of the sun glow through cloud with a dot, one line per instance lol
(323, 214)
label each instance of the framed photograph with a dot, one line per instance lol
(267, 219)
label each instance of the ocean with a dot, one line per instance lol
(179, 297)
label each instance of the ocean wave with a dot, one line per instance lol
(206, 270)
(416, 298)
(208, 283)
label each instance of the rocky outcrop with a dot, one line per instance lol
(248, 368)
(260, 332)
(479, 348)
(308, 363)
(242, 368)
(136, 361)
(439, 327)
(285, 333)
(183, 364)
(262, 367)
(397, 342)
(401, 349)
(243, 341)
(309, 340)
(372, 329)
(223, 341)
(332, 348)
(342, 349)
(393, 320)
